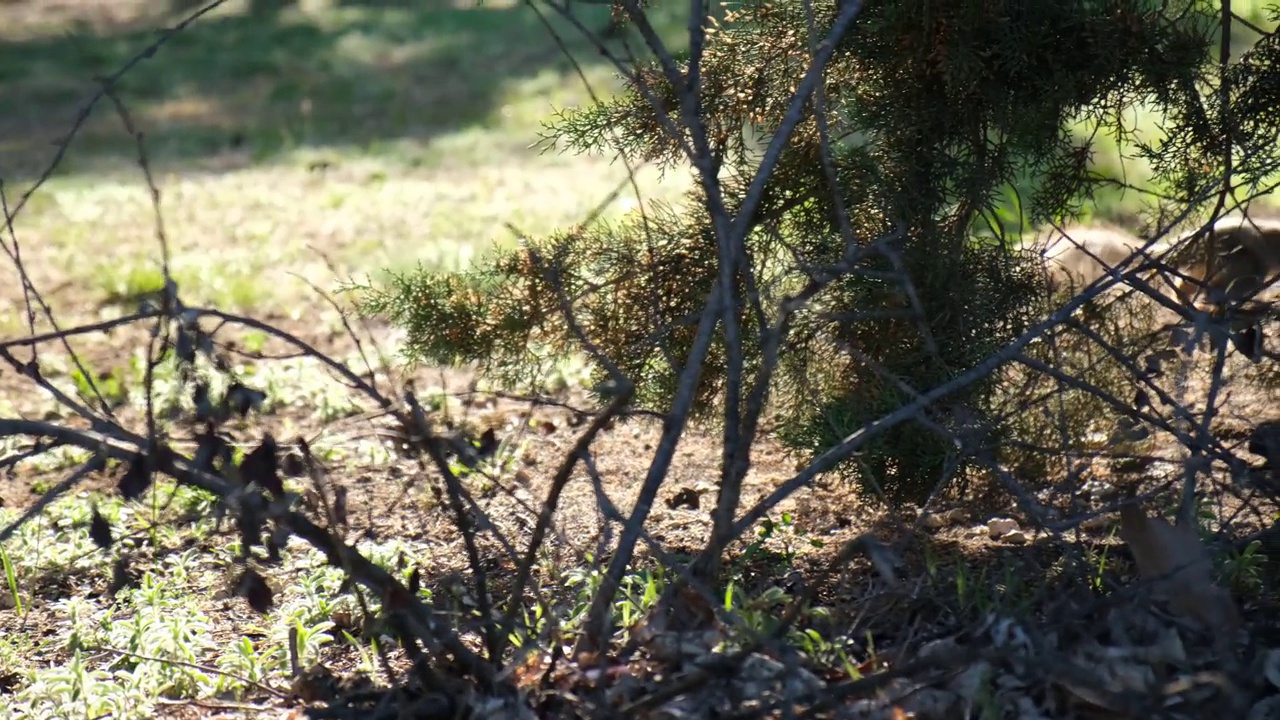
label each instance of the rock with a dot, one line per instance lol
(1097, 522)
(934, 521)
(999, 527)
(954, 516)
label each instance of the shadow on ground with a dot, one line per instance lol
(241, 87)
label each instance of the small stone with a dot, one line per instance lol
(1017, 537)
(1097, 522)
(999, 527)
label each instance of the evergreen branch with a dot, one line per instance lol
(848, 13)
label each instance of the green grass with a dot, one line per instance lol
(104, 656)
(252, 89)
(286, 147)
(130, 283)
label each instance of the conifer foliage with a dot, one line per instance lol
(927, 112)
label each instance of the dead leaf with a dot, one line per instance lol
(100, 530)
(316, 684)
(1249, 343)
(686, 498)
(1141, 400)
(488, 443)
(121, 577)
(292, 466)
(1178, 563)
(340, 505)
(253, 588)
(883, 559)
(212, 450)
(1264, 440)
(262, 466)
(136, 479)
(240, 399)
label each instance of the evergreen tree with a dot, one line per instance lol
(928, 113)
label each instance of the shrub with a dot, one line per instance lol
(928, 113)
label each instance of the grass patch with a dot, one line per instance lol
(116, 655)
(242, 88)
(221, 286)
(257, 237)
(285, 147)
